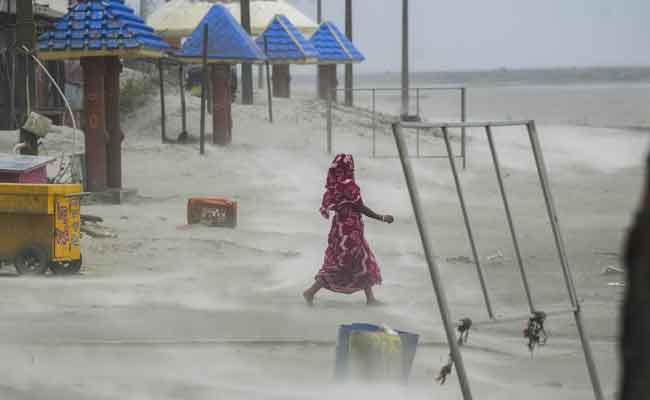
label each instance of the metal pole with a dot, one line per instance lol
(204, 88)
(566, 268)
(349, 79)
(463, 133)
(319, 20)
(246, 68)
(468, 226)
(405, 58)
(319, 11)
(438, 288)
(329, 120)
(417, 105)
(163, 117)
(181, 83)
(24, 78)
(268, 80)
(374, 125)
(506, 206)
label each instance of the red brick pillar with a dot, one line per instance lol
(95, 123)
(115, 134)
(221, 105)
(281, 81)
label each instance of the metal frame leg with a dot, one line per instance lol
(506, 206)
(374, 125)
(431, 262)
(463, 118)
(566, 269)
(468, 226)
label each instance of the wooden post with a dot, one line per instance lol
(221, 112)
(246, 68)
(323, 81)
(268, 80)
(94, 71)
(114, 130)
(333, 82)
(204, 88)
(260, 76)
(281, 81)
(349, 79)
(181, 84)
(163, 117)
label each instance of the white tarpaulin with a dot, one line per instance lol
(179, 18)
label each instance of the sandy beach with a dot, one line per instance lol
(163, 311)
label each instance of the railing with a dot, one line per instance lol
(374, 92)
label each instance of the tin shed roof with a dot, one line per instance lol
(22, 163)
(228, 42)
(285, 43)
(96, 28)
(333, 46)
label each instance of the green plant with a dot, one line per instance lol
(135, 92)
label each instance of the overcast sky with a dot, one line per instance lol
(486, 34)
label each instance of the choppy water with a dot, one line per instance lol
(613, 97)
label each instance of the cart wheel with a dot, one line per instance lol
(66, 267)
(31, 260)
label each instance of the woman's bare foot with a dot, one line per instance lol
(309, 298)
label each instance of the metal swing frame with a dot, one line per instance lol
(429, 253)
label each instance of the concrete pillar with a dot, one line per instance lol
(327, 80)
(281, 81)
(94, 71)
(221, 103)
(115, 134)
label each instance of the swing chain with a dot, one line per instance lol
(463, 328)
(535, 332)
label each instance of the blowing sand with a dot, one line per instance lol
(166, 313)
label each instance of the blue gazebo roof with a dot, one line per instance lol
(285, 43)
(334, 47)
(228, 42)
(97, 28)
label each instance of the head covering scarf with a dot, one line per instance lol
(340, 186)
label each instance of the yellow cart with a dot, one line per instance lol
(40, 227)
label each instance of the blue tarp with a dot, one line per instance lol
(334, 46)
(285, 42)
(100, 25)
(227, 40)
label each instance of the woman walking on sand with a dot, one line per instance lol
(349, 265)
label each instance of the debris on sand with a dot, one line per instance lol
(91, 226)
(496, 258)
(612, 269)
(617, 284)
(460, 259)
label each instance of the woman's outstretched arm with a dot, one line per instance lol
(363, 209)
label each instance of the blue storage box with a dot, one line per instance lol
(373, 353)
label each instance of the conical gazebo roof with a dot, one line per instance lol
(283, 43)
(98, 28)
(228, 42)
(334, 47)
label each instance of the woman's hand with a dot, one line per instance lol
(388, 219)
